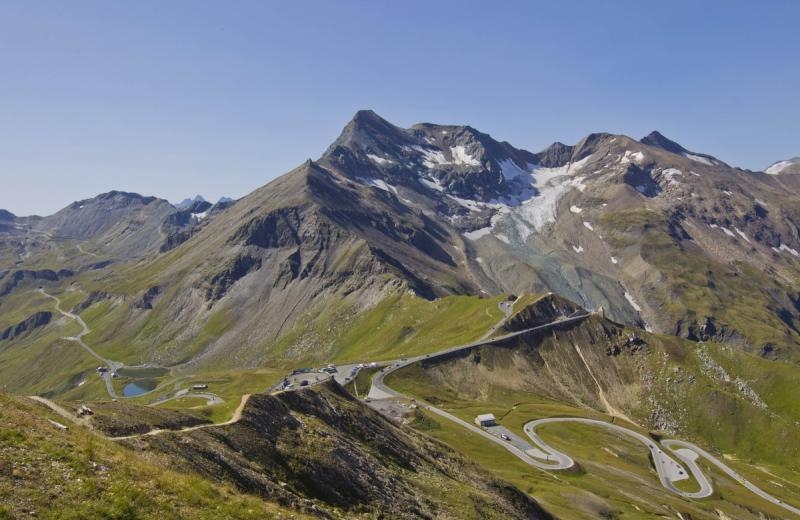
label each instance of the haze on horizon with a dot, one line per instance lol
(184, 98)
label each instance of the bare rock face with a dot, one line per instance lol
(145, 301)
(33, 321)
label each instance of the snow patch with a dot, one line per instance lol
(478, 233)
(575, 209)
(433, 184)
(502, 238)
(471, 205)
(778, 167)
(724, 229)
(379, 160)
(511, 170)
(378, 183)
(728, 193)
(670, 174)
(698, 158)
(694, 173)
(460, 156)
(741, 234)
(578, 249)
(614, 260)
(632, 302)
(588, 225)
(784, 247)
(431, 158)
(200, 216)
(636, 157)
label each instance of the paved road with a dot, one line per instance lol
(669, 471)
(112, 366)
(665, 465)
(380, 391)
(689, 447)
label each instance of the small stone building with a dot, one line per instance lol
(486, 419)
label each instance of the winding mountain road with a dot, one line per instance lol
(668, 469)
(112, 366)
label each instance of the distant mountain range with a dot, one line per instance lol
(188, 202)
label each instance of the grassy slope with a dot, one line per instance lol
(695, 286)
(75, 474)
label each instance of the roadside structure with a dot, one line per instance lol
(486, 419)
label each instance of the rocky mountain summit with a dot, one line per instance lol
(652, 233)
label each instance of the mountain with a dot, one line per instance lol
(6, 220)
(187, 202)
(789, 166)
(656, 139)
(649, 232)
(398, 242)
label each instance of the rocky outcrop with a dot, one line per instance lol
(145, 301)
(545, 310)
(36, 320)
(14, 278)
(233, 270)
(323, 445)
(276, 229)
(94, 297)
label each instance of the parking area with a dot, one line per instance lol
(304, 379)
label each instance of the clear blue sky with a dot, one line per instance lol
(174, 98)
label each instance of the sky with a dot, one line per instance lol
(218, 98)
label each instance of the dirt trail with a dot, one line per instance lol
(63, 412)
(600, 393)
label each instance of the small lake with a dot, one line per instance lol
(138, 387)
